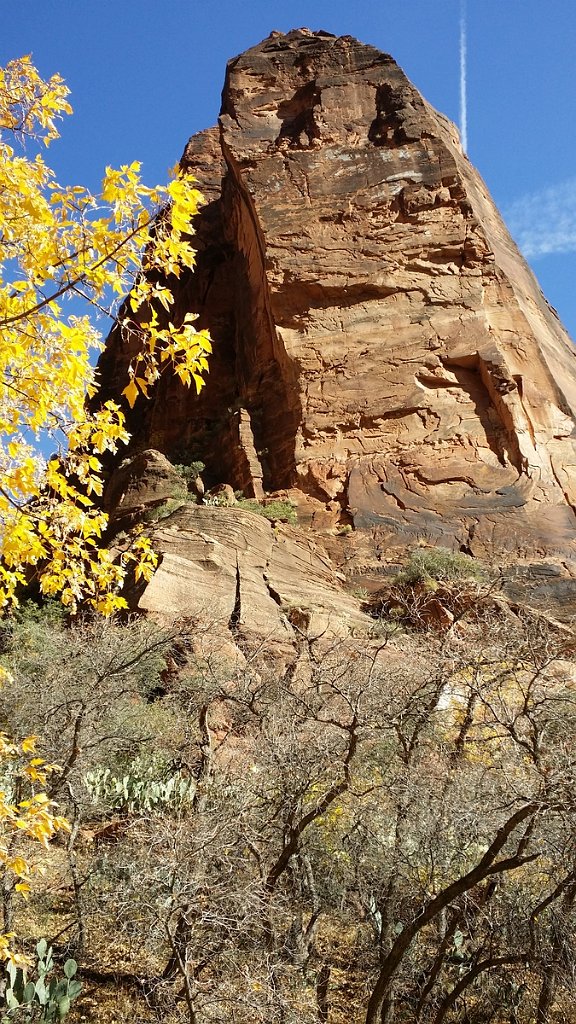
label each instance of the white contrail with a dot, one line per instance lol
(463, 77)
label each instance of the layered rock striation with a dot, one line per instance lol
(381, 350)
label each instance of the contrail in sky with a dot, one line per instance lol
(463, 77)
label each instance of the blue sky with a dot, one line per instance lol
(145, 75)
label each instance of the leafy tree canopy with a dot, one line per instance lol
(58, 243)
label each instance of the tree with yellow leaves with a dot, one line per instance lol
(26, 813)
(57, 243)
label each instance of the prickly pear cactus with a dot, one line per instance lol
(45, 1000)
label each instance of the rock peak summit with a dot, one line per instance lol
(382, 351)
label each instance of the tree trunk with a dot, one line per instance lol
(322, 987)
(547, 993)
(485, 867)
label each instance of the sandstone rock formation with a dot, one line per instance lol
(381, 349)
(233, 568)
(247, 578)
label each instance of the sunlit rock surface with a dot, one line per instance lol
(381, 350)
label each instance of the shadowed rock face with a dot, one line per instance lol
(380, 345)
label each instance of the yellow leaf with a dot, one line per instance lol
(131, 393)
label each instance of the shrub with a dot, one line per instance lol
(154, 515)
(433, 587)
(190, 471)
(88, 689)
(438, 564)
(282, 510)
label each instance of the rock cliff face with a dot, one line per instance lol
(381, 349)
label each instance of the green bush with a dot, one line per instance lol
(190, 471)
(439, 564)
(282, 510)
(154, 515)
(89, 690)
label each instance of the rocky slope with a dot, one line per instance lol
(382, 352)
